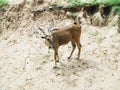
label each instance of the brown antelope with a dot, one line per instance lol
(62, 36)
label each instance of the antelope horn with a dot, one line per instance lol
(41, 29)
(49, 27)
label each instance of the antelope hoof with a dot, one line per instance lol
(68, 57)
(78, 58)
(55, 67)
(57, 60)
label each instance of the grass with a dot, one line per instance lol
(74, 15)
(116, 9)
(74, 3)
(108, 1)
(3, 2)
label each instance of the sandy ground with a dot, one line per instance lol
(25, 63)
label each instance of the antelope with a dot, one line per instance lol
(62, 36)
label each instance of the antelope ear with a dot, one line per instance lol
(43, 37)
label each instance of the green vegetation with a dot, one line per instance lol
(74, 15)
(53, 4)
(73, 3)
(3, 2)
(116, 9)
(119, 23)
(108, 1)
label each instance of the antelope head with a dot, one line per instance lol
(48, 37)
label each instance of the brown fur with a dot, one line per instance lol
(62, 36)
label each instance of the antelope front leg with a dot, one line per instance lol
(79, 49)
(73, 48)
(56, 57)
